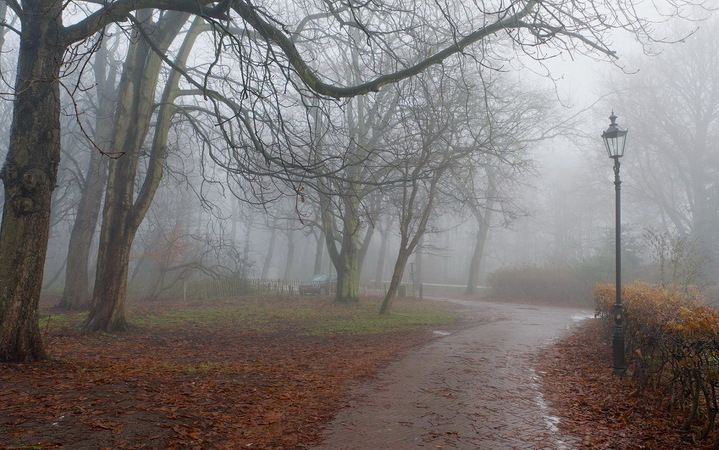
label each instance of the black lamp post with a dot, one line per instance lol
(614, 139)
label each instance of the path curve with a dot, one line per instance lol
(472, 389)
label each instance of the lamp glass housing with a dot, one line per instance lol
(614, 138)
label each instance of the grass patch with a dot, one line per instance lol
(363, 318)
(57, 321)
(306, 316)
(272, 314)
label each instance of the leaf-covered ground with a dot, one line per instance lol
(603, 409)
(268, 381)
(209, 376)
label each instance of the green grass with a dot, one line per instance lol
(303, 316)
(267, 315)
(57, 321)
(364, 319)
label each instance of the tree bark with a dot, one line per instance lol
(381, 256)
(319, 252)
(409, 243)
(399, 266)
(290, 255)
(483, 222)
(76, 294)
(347, 261)
(270, 252)
(29, 176)
(123, 213)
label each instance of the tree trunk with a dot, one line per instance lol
(365, 246)
(107, 312)
(246, 244)
(29, 176)
(483, 222)
(379, 270)
(270, 251)
(76, 293)
(417, 281)
(3, 30)
(123, 213)
(409, 243)
(394, 283)
(319, 253)
(290, 255)
(348, 264)
(348, 273)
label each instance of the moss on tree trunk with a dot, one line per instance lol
(29, 176)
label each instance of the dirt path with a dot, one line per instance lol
(473, 389)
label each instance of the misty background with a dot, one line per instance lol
(547, 202)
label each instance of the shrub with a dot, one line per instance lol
(673, 343)
(547, 284)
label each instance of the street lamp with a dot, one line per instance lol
(614, 139)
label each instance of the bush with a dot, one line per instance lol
(673, 343)
(546, 284)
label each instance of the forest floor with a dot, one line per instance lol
(271, 387)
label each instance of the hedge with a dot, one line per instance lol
(673, 346)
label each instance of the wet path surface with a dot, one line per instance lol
(472, 389)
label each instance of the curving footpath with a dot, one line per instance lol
(472, 389)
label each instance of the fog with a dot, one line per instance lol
(523, 135)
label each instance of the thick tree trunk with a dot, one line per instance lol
(107, 312)
(348, 273)
(348, 264)
(29, 176)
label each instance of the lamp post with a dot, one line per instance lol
(614, 139)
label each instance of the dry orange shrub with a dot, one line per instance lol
(673, 343)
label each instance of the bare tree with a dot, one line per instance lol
(53, 38)
(506, 120)
(432, 143)
(123, 210)
(674, 118)
(681, 261)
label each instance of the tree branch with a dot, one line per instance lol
(119, 12)
(312, 80)
(14, 5)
